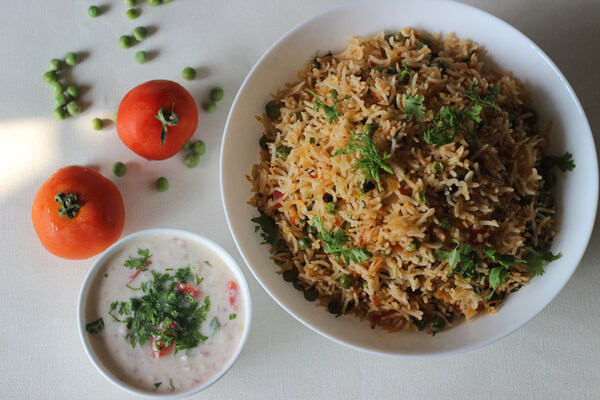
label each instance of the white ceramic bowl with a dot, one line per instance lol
(554, 100)
(98, 267)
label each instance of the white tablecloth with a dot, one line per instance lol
(555, 356)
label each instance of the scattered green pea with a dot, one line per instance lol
(140, 33)
(332, 94)
(422, 197)
(345, 281)
(311, 295)
(334, 307)
(97, 124)
(93, 11)
(312, 230)
(125, 41)
(57, 87)
(283, 152)
(54, 64)
(162, 184)
(188, 73)
(304, 243)
(312, 140)
(370, 129)
(217, 93)
(263, 142)
(209, 106)
(71, 59)
(437, 167)
(153, 3)
(60, 114)
(192, 160)
(50, 76)
(132, 13)
(130, 3)
(272, 110)
(73, 91)
(187, 146)
(199, 147)
(298, 285)
(331, 208)
(290, 275)
(141, 57)
(399, 37)
(445, 223)
(414, 246)
(73, 108)
(119, 169)
(436, 325)
(60, 100)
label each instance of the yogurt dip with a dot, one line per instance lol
(147, 274)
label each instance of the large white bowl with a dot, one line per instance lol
(554, 100)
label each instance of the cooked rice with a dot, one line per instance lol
(495, 204)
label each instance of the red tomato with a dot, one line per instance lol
(95, 225)
(158, 348)
(232, 294)
(139, 121)
(185, 288)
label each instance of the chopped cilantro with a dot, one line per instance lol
(462, 259)
(486, 99)
(370, 161)
(214, 326)
(269, 231)
(414, 103)
(171, 384)
(334, 240)
(331, 112)
(538, 258)
(95, 327)
(139, 263)
(157, 384)
(185, 274)
(564, 162)
(232, 316)
(499, 273)
(208, 263)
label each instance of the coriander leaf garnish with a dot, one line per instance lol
(505, 260)
(140, 263)
(499, 273)
(496, 278)
(538, 258)
(564, 162)
(185, 274)
(164, 314)
(214, 326)
(334, 240)
(208, 263)
(462, 259)
(269, 231)
(95, 327)
(414, 103)
(171, 384)
(331, 112)
(370, 161)
(232, 316)
(157, 384)
(484, 100)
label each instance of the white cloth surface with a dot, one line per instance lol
(555, 356)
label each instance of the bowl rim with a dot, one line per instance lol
(91, 275)
(586, 228)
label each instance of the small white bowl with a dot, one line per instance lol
(98, 266)
(554, 100)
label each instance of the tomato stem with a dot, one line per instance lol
(166, 118)
(68, 204)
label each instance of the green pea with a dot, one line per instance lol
(422, 196)
(283, 152)
(71, 59)
(140, 33)
(132, 13)
(436, 324)
(217, 93)
(162, 184)
(312, 140)
(290, 275)
(153, 3)
(298, 285)
(445, 223)
(97, 124)
(60, 100)
(50, 76)
(272, 110)
(312, 230)
(209, 106)
(93, 11)
(346, 280)
(304, 243)
(188, 73)
(399, 37)
(141, 57)
(199, 147)
(192, 160)
(331, 208)
(73, 91)
(119, 169)
(57, 87)
(334, 307)
(332, 94)
(311, 295)
(54, 64)
(125, 41)
(187, 146)
(263, 142)
(130, 3)
(73, 108)
(60, 114)
(370, 129)
(414, 246)
(437, 167)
